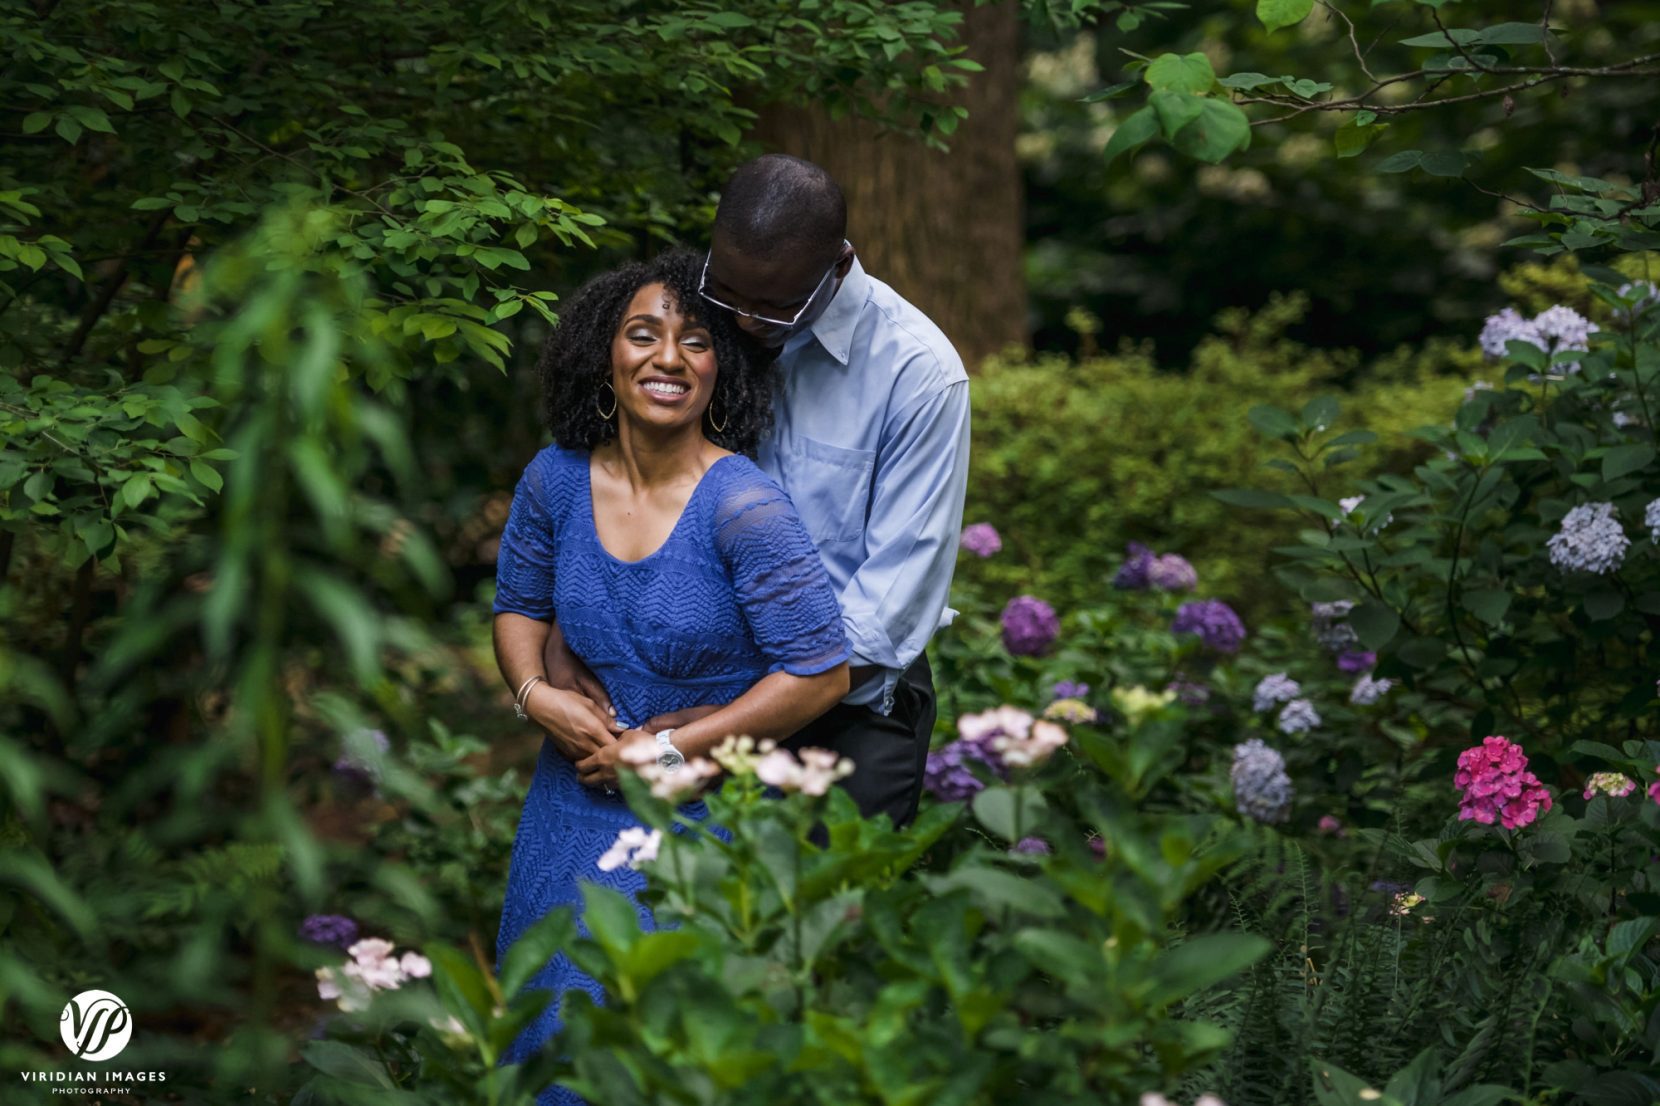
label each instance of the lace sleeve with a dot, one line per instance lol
(524, 565)
(781, 584)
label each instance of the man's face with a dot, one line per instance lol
(777, 287)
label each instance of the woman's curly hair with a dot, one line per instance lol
(576, 359)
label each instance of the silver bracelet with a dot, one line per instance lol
(523, 696)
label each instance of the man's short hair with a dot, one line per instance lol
(778, 203)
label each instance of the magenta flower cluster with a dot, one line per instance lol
(981, 539)
(1497, 785)
(1213, 621)
(1142, 569)
(1030, 626)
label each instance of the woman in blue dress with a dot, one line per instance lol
(677, 571)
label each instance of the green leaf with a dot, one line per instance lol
(356, 625)
(1419, 1083)
(93, 119)
(1275, 14)
(36, 121)
(1132, 132)
(207, 475)
(346, 1063)
(1353, 137)
(1602, 605)
(534, 948)
(1623, 460)
(1273, 421)
(1402, 161)
(1002, 890)
(1181, 73)
(1175, 109)
(1244, 82)
(68, 129)
(1251, 498)
(1487, 604)
(1375, 623)
(1222, 128)
(1112, 91)
(134, 491)
(996, 809)
(1202, 962)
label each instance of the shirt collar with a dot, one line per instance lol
(834, 329)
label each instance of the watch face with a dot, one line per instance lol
(670, 760)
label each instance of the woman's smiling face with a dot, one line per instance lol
(662, 362)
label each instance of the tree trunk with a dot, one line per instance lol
(945, 229)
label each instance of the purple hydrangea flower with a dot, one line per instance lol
(1353, 660)
(1591, 540)
(981, 539)
(947, 774)
(1651, 519)
(1032, 846)
(1189, 693)
(356, 763)
(1261, 789)
(1029, 626)
(1368, 691)
(1507, 326)
(1215, 623)
(1132, 574)
(1171, 572)
(1329, 628)
(1276, 687)
(1298, 716)
(1069, 689)
(329, 929)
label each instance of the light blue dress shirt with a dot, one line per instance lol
(871, 441)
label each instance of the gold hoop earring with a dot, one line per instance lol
(606, 415)
(709, 413)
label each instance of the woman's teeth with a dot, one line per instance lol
(664, 388)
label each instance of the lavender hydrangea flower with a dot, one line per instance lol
(1298, 716)
(1329, 628)
(1651, 519)
(1069, 689)
(1590, 540)
(1189, 693)
(1564, 328)
(1261, 789)
(1171, 572)
(1214, 621)
(1276, 687)
(947, 774)
(329, 929)
(1132, 574)
(981, 539)
(1031, 846)
(1507, 326)
(1355, 660)
(1647, 296)
(1029, 626)
(356, 763)
(1368, 691)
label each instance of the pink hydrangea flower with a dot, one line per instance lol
(1497, 785)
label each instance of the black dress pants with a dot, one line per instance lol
(887, 750)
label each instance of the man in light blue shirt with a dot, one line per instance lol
(871, 443)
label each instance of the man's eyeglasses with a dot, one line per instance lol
(824, 282)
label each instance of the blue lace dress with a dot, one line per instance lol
(737, 591)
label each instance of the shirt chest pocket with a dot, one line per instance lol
(830, 486)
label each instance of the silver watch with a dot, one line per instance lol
(669, 759)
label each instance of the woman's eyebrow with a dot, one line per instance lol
(642, 317)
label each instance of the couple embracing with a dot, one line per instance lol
(746, 524)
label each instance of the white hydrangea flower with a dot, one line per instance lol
(634, 846)
(1368, 691)
(1298, 716)
(1651, 519)
(1590, 540)
(1276, 687)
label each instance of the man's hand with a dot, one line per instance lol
(567, 672)
(677, 718)
(578, 726)
(600, 769)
